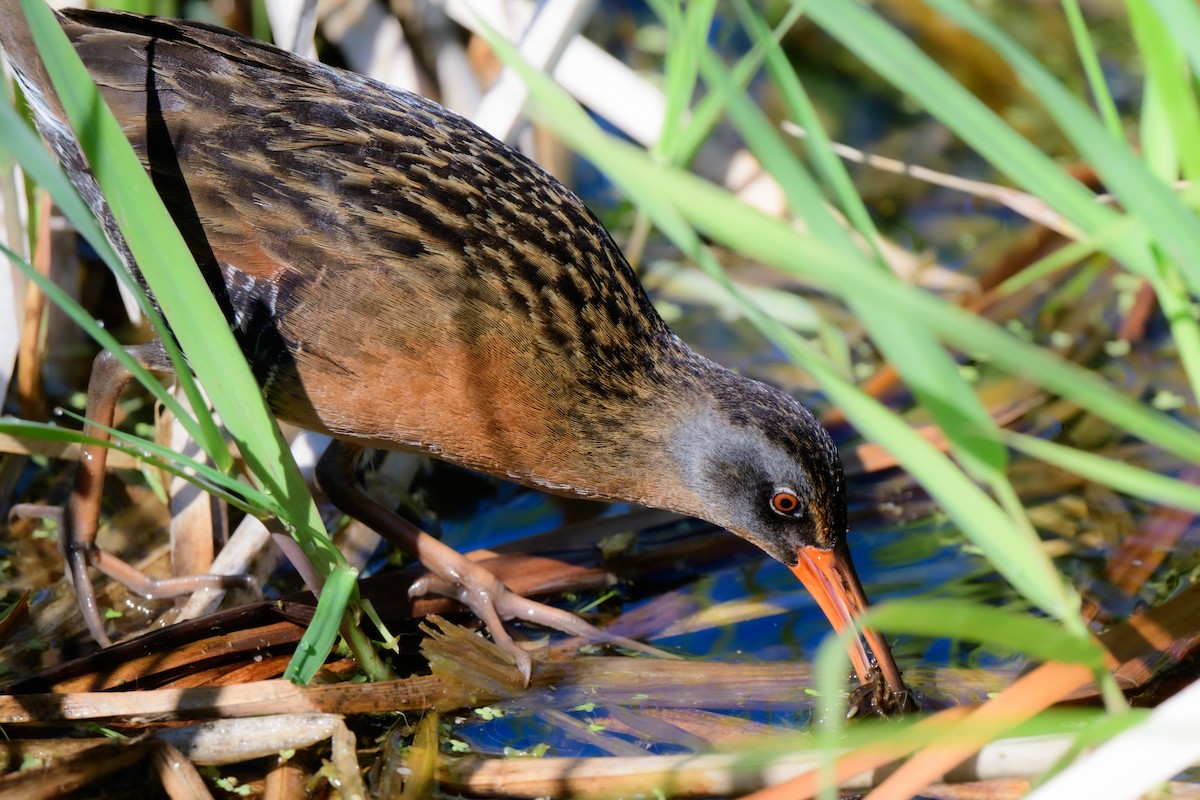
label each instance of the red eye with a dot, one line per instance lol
(785, 502)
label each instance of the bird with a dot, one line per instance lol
(398, 278)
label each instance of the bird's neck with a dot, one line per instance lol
(645, 449)
(611, 436)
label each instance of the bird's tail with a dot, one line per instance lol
(16, 41)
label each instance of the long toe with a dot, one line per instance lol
(481, 592)
(513, 606)
(477, 588)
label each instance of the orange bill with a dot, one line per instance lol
(830, 578)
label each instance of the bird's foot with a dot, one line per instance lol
(79, 553)
(488, 598)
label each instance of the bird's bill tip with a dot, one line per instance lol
(829, 577)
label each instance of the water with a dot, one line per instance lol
(892, 560)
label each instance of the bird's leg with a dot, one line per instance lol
(81, 519)
(451, 574)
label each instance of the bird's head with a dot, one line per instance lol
(759, 464)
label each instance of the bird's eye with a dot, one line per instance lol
(785, 502)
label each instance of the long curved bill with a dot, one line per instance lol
(830, 578)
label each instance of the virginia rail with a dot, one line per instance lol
(398, 278)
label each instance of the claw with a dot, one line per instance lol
(75, 562)
(490, 600)
(35, 511)
(424, 586)
(479, 590)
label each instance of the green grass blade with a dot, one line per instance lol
(1064, 257)
(339, 589)
(707, 112)
(1169, 88)
(134, 202)
(245, 497)
(972, 622)
(1181, 20)
(1092, 69)
(105, 339)
(169, 268)
(1116, 475)
(927, 369)
(828, 165)
(20, 141)
(687, 28)
(1173, 226)
(197, 473)
(745, 229)
(896, 58)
